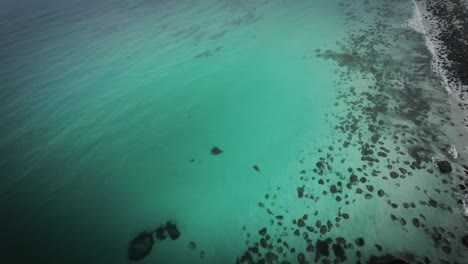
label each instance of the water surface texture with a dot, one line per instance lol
(330, 115)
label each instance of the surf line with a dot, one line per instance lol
(436, 64)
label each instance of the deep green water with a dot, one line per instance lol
(109, 111)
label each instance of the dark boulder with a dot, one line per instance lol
(360, 241)
(444, 166)
(465, 240)
(399, 261)
(301, 257)
(339, 252)
(161, 232)
(140, 246)
(386, 259)
(172, 230)
(271, 257)
(465, 169)
(192, 245)
(216, 151)
(321, 249)
(300, 192)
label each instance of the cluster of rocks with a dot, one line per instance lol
(451, 17)
(394, 127)
(394, 124)
(140, 246)
(217, 151)
(414, 109)
(268, 249)
(462, 187)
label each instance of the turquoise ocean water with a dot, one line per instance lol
(109, 110)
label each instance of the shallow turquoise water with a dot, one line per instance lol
(110, 109)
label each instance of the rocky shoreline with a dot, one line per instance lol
(452, 33)
(445, 26)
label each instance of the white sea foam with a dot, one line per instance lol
(432, 27)
(453, 151)
(433, 45)
(415, 22)
(437, 158)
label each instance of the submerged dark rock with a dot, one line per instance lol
(192, 245)
(161, 232)
(300, 223)
(255, 167)
(378, 247)
(386, 259)
(172, 230)
(216, 151)
(381, 193)
(360, 241)
(465, 240)
(300, 192)
(140, 246)
(271, 257)
(444, 166)
(321, 249)
(300, 257)
(339, 252)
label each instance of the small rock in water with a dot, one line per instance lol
(381, 193)
(386, 259)
(339, 252)
(263, 243)
(300, 222)
(300, 257)
(300, 192)
(444, 166)
(255, 167)
(192, 245)
(321, 249)
(323, 230)
(172, 230)
(161, 232)
(359, 241)
(465, 240)
(447, 249)
(433, 202)
(140, 246)
(378, 247)
(271, 257)
(216, 151)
